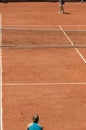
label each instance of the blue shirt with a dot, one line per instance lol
(34, 126)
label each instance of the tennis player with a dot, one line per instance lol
(34, 125)
(61, 8)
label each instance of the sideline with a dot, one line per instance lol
(73, 44)
(0, 72)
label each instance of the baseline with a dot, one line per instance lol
(43, 84)
(44, 25)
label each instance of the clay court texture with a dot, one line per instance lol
(50, 82)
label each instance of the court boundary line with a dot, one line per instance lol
(33, 13)
(42, 12)
(72, 44)
(0, 72)
(44, 84)
(44, 25)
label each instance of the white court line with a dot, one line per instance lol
(0, 73)
(31, 13)
(45, 25)
(73, 44)
(44, 84)
(39, 12)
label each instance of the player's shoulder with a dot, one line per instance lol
(40, 125)
(30, 124)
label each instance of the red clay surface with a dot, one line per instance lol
(48, 82)
(42, 13)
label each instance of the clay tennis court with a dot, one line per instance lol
(50, 82)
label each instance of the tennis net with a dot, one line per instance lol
(42, 38)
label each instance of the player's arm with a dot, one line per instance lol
(41, 128)
(27, 128)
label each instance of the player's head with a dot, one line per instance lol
(35, 118)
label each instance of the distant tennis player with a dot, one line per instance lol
(34, 125)
(61, 8)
